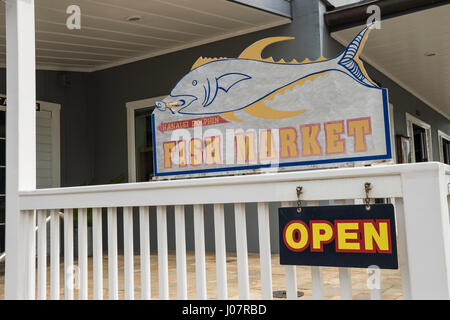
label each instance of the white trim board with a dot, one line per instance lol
(441, 136)
(392, 131)
(132, 106)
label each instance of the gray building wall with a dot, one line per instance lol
(69, 89)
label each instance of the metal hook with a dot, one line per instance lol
(367, 188)
(299, 201)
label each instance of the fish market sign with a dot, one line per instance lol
(253, 114)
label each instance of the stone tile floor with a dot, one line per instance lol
(391, 284)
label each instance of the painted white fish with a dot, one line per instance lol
(226, 85)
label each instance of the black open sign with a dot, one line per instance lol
(339, 236)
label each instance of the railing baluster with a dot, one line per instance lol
(180, 239)
(68, 255)
(163, 262)
(82, 254)
(98, 252)
(200, 262)
(345, 279)
(128, 252)
(113, 277)
(375, 293)
(221, 253)
(264, 250)
(144, 232)
(42, 254)
(291, 272)
(241, 251)
(30, 264)
(54, 256)
(317, 283)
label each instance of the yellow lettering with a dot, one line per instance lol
(347, 236)
(212, 150)
(195, 147)
(266, 146)
(333, 130)
(310, 144)
(378, 237)
(359, 128)
(321, 233)
(168, 148)
(245, 147)
(296, 236)
(288, 143)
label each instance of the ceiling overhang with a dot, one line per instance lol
(411, 48)
(116, 32)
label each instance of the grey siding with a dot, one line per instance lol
(70, 89)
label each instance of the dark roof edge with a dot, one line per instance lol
(356, 14)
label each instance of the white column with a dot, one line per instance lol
(20, 137)
(427, 235)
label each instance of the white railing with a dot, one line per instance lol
(420, 193)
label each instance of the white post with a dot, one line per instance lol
(20, 138)
(427, 231)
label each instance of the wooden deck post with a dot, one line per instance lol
(20, 146)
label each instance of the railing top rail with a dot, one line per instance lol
(322, 184)
(318, 174)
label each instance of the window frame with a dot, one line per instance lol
(131, 107)
(410, 120)
(442, 136)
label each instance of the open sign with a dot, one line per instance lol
(340, 236)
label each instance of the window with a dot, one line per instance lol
(140, 139)
(420, 143)
(420, 134)
(444, 147)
